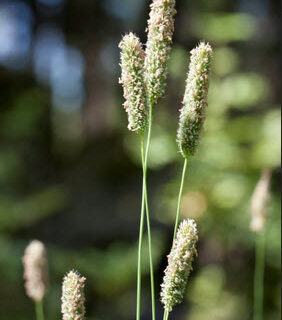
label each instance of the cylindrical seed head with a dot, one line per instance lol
(35, 270)
(160, 33)
(260, 201)
(193, 112)
(179, 264)
(132, 80)
(73, 298)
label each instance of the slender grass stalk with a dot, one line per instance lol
(166, 314)
(144, 164)
(259, 276)
(185, 165)
(140, 242)
(39, 310)
(260, 211)
(145, 207)
(150, 257)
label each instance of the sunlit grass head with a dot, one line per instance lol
(73, 298)
(179, 264)
(160, 33)
(132, 79)
(193, 112)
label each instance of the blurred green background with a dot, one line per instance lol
(70, 171)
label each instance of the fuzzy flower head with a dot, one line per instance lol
(179, 264)
(193, 112)
(35, 270)
(160, 33)
(73, 297)
(132, 80)
(259, 202)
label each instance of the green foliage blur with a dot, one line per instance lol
(70, 172)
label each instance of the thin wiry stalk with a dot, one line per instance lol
(144, 164)
(141, 229)
(259, 276)
(39, 310)
(166, 314)
(144, 206)
(185, 165)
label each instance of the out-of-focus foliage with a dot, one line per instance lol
(70, 171)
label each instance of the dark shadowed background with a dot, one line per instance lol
(70, 172)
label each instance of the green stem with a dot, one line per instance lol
(141, 229)
(166, 314)
(151, 258)
(39, 310)
(145, 165)
(144, 155)
(180, 196)
(259, 276)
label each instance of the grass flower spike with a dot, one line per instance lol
(160, 32)
(132, 79)
(73, 297)
(259, 202)
(35, 270)
(193, 112)
(179, 264)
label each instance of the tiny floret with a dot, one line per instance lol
(179, 264)
(193, 112)
(73, 299)
(132, 80)
(35, 270)
(260, 201)
(160, 33)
